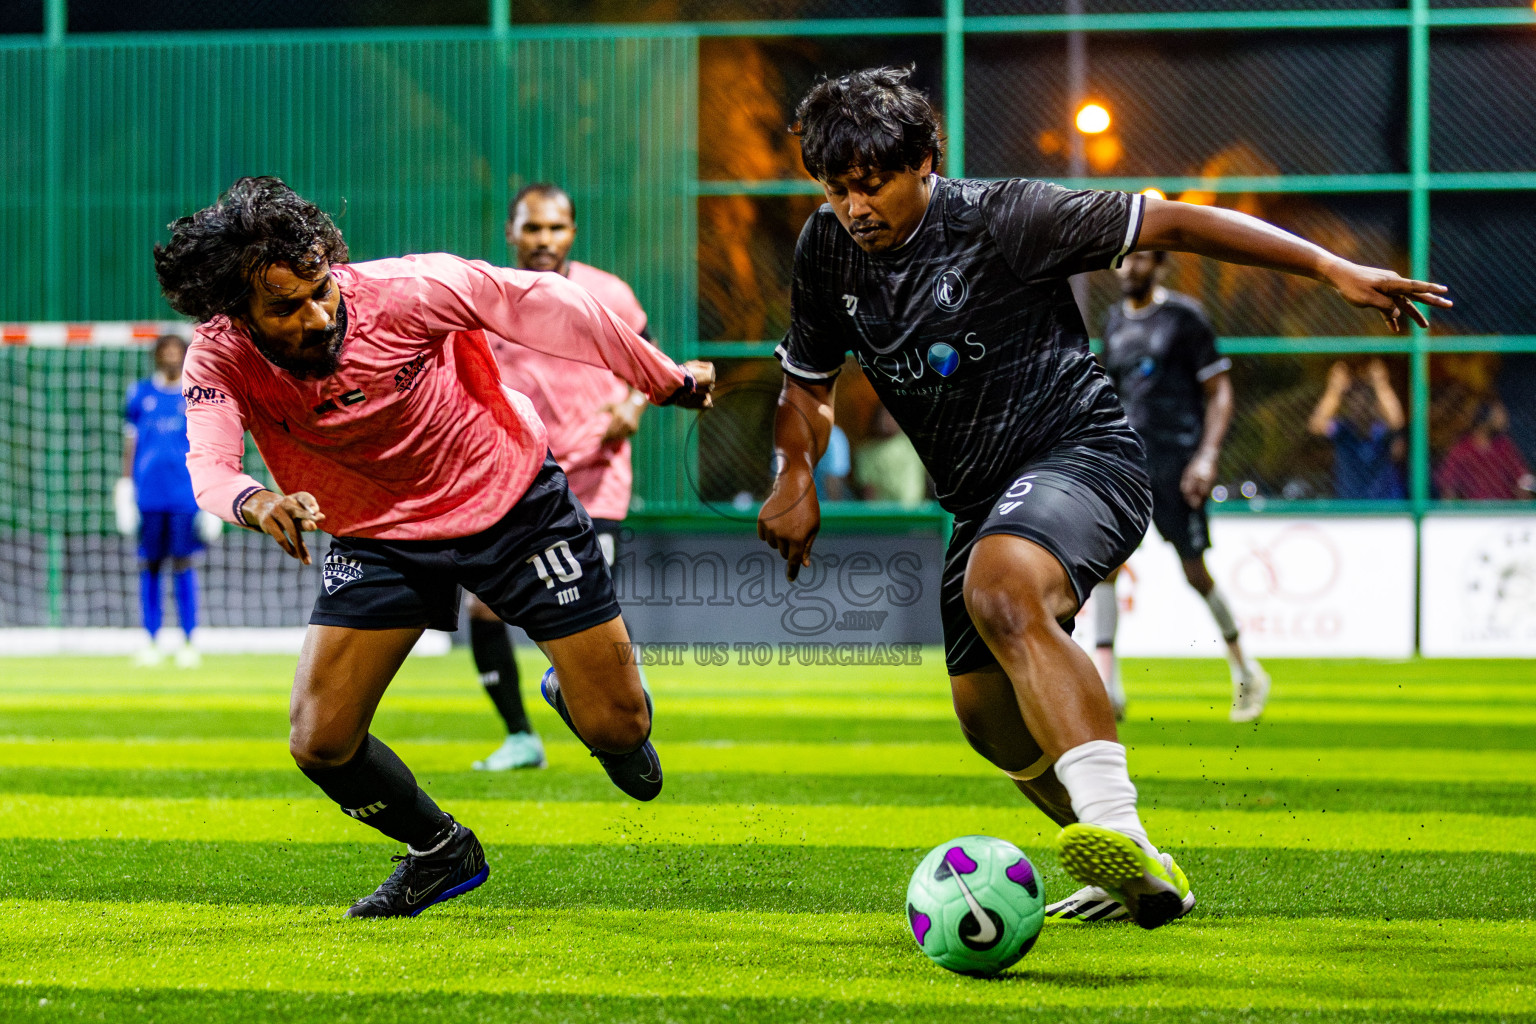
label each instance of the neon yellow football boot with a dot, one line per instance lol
(1153, 890)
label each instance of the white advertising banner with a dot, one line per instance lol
(1299, 587)
(1479, 587)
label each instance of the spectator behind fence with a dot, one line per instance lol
(1363, 419)
(1485, 464)
(887, 467)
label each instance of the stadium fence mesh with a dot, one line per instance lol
(671, 139)
(62, 563)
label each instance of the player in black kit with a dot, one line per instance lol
(1160, 351)
(953, 296)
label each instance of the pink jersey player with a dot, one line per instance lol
(575, 400)
(374, 398)
(413, 437)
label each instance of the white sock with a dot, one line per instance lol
(1100, 786)
(1222, 614)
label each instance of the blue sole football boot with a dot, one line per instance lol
(422, 880)
(637, 773)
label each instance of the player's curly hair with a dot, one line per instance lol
(870, 118)
(207, 267)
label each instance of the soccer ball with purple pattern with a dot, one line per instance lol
(975, 905)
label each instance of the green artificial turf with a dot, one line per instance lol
(1366, 852)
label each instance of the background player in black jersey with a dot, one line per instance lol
(953, 296)
(1160, 351)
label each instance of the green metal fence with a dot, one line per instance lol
(1500, 174)
(414, 144)
(418, 135)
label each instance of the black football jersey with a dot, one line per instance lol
(1159, 358)
(968, 330)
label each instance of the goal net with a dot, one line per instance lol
(63, 566)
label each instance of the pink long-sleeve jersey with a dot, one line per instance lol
(573, 400)
(413, 437)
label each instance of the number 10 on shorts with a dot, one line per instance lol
(566, 568)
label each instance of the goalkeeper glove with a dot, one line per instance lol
(125, 504)
(209, 526)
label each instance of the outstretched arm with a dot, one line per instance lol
(1238, 238)
(790, 518)
(548, 313)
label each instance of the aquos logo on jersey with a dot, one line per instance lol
(950, 290)
(906, 366)
(943, 358)
(339, 571)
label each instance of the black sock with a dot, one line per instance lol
(377, 789)
(491, 644)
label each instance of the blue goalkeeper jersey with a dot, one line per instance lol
(157, 418)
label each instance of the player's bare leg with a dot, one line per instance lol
(989, 715)
(989, 712)
(1250, 683)
(341, 676)
(594, 684)
(1016, 593)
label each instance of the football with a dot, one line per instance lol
(975, 905)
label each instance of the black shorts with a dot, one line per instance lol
(1087, 504)
(608, 537)
(1187, 529)
(539, 568)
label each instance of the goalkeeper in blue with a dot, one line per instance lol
(153, 499)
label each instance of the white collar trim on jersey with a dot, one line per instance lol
(1159, 296)
(933, 191)
(163, 383)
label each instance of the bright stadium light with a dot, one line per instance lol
(1092, 119)
(1155, 193)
